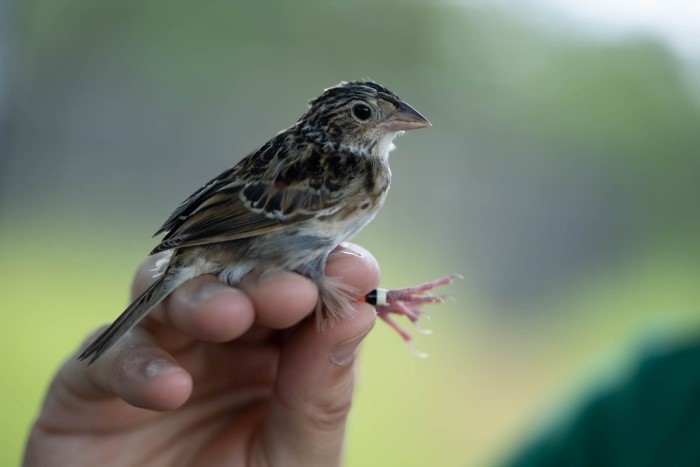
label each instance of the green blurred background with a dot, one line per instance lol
(560, 177)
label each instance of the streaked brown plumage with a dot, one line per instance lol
(287, 205)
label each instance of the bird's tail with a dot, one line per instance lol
(335, 301)
(128, 319)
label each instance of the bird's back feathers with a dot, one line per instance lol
(273, 188)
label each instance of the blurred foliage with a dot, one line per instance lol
(560, 178)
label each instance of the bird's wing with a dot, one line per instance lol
(271, 189)
(188, 206)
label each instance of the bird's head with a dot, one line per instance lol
(361, 116)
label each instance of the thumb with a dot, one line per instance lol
(313, 394)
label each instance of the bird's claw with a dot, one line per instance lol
(407, 302)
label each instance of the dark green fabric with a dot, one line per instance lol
(650, 419)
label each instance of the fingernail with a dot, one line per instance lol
(271, 276)
(159, 367)
(344, 353)
(345, 250)
(207, 290)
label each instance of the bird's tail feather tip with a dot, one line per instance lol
(127, 320)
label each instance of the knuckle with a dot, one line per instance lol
(329, 414)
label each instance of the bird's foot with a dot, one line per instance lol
(407, 302)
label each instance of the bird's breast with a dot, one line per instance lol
(364, 203)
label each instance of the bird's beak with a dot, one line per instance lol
(406, 118)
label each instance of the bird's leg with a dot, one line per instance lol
(406, 302)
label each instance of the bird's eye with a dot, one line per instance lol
(361, 111)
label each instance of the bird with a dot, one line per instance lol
(287, 206)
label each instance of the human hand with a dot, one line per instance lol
(215, 375)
